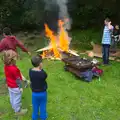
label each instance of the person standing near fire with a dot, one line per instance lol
(39, 89)
(10, 43)
(106, 41)
(115, 38)
(13, 81)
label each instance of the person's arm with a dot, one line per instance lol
(20, 45)
(26, 82)
(19, 83)
(17, 75)
(110, 27)
(45, 75)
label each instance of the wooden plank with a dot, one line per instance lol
(73, 52)
(73, 71)
(98, 55)
(97, 52)
(77, 62)
(44, 49)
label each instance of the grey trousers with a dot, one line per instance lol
(15, 98)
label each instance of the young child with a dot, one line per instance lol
(106, 40)
(13, 80)
(115, 38)
(39, 89)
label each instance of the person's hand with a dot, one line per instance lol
(28, 82)
(21, 90)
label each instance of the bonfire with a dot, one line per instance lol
(57, 43)
(59, 48)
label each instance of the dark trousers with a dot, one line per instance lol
(114, 45)
(105, 52)
(39, 101)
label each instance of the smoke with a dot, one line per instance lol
(63, 13)
(50, 5)
(63, 10)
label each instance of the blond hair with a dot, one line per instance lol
(9, 57)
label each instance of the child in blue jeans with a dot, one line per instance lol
(39, 89)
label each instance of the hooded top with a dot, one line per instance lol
(11, 43)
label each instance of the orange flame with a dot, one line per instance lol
(43, 54)
(52, 38)
(60, 41)
(64, 43)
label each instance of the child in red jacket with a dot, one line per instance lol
(13, 80)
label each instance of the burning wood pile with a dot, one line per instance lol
(58, 43)
(58, 48)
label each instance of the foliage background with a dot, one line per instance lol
(30, 14)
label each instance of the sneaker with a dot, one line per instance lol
(22, 112)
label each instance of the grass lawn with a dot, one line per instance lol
(68, 97)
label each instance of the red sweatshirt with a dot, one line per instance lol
(10, 43)
(12, 73)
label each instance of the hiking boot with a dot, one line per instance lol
(22, 112)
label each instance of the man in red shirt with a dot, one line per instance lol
(10, 42)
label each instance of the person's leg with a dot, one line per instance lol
(11, 98)
(43, 106)
(113, 44)
(35, 106)
(116, 45)
(17, 102)
(108, 53)
(107, 48)
(103, 53)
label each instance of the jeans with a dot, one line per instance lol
(39, 102)
(105, 52)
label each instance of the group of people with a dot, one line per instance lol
(14, 77)
(111, 36)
